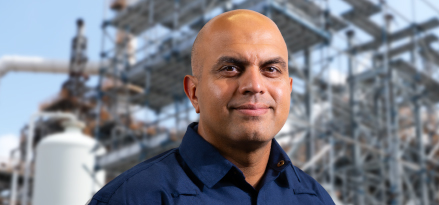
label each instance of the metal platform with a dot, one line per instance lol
(409, 72)
(398, 35)
(147, 13)
(360, 14)
(426, 40)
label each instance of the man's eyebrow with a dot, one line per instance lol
(277, 60)
(243, 62)
(230, 59)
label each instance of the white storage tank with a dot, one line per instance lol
(64, 168)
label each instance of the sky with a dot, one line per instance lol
(45, 28)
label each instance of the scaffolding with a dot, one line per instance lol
(371, 138)
(165, 58)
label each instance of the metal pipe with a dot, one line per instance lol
(358, 175)
(393, 141)
(378, 106)
(310, 163)
(14, 181)
(177, 116)
(421, 152)
(330, 119)
(407, 164)
(418, 124)
(268, 8)
(40, 65)
(308, 107)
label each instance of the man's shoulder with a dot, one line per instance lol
(146, 174)
(310, 186)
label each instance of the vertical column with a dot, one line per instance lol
(175, 24)
(177, 115)
(14, 181)
(326, 25)
(421, 151)
(391, 120)
(358, 176)
(378, 112)
(308, 107)
(228, 6)
(418, 125)
(268, 8)
(329, 131)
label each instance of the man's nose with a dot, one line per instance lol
(252, 82)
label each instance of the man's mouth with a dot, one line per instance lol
(252, 109)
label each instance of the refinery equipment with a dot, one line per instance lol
(63, 166)
(370, 138)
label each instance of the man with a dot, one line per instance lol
(241, 89)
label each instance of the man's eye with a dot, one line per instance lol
(271, 69)
(229, 68)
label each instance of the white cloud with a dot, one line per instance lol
(337, 77)
(7, 143)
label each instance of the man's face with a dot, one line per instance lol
(244, 90)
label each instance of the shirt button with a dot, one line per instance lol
(280, 163)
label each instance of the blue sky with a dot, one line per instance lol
(45, 28)
(41, 28)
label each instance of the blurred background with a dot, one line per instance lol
(89, 89)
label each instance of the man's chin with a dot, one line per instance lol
(250, 136)
(257, 130)
(251, 144)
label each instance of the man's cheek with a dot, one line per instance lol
(220, 94)
(277, 93)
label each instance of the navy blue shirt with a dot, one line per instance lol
(196, 173)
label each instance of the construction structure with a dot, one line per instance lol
(372, 138)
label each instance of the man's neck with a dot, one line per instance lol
(252, 162)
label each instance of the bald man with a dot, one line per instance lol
(241, 89)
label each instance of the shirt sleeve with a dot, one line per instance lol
(95, 202)
(324, 195)
(131, 192)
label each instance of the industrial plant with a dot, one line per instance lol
(363, 121)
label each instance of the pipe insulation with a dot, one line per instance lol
(40, 65)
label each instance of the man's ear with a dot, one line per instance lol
(291, 84)
(190, 87)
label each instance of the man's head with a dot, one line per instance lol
(240, 83)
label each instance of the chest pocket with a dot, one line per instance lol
(185, 197)
(298, 191)
(306, 196)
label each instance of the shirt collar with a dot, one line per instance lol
(277, 154)
(202, 158)
(277, 163)
(210, 166)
